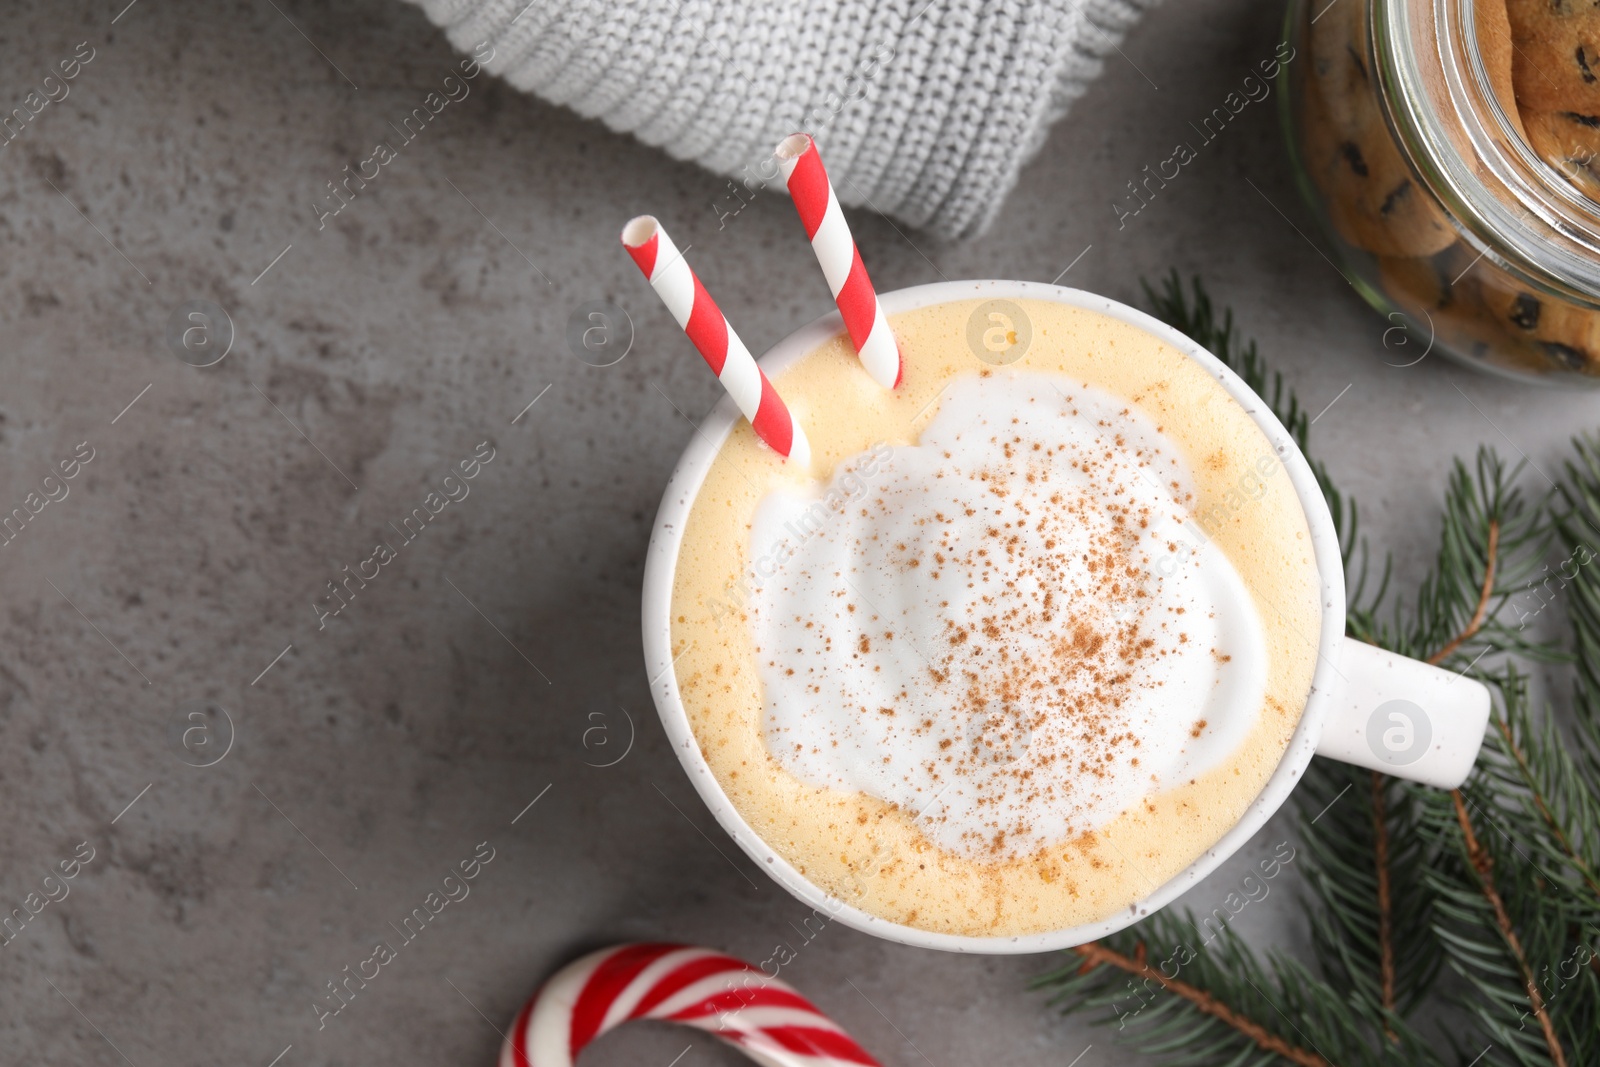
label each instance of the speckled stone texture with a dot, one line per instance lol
(469, 676)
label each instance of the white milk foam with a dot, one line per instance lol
(1015, 633)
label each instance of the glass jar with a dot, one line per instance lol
(1456, 174)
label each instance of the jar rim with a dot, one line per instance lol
(1509, 203)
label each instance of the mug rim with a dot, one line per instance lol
(661, 566)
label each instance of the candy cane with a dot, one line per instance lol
(726, 997)
(841, 263)
(698, 314)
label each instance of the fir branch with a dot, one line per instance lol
(1483, 863)
(1542, 908)
(1207, 999)
(1542, 797)
(1530, 781)
(1577, 766)
(1095, 954)
(1512, 913)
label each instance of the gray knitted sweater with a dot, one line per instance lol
(925, 110)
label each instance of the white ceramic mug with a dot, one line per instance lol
(1365, 706)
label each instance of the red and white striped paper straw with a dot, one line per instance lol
(710, 332)
(762, 1017)
(841, 263)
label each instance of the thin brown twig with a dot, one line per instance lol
(1483, 863)
(1095, 953)
(1380, 832)
(1481, 614)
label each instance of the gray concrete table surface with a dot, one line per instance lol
(372, 355)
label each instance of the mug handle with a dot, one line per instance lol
(1404, 717)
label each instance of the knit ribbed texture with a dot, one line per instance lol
(925, 110)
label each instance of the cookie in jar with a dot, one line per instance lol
(1451, 151)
